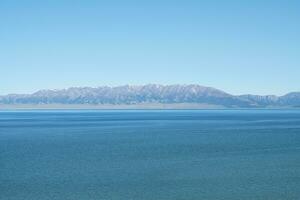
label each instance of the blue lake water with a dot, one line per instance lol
(150, 155)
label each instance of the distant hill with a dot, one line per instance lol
(151, 94)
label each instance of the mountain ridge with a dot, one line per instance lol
(150, 94)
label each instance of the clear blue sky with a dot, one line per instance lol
(237, 46)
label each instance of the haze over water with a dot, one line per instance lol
(150, 155)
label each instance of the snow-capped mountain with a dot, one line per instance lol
(151, 93)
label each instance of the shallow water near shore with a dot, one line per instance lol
(150, 155)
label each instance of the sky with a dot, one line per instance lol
(237, 46)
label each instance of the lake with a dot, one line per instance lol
(150, 155)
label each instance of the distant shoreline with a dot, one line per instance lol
(145, 106)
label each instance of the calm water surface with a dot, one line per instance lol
(150, 155)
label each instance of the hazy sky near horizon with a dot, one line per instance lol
(237, 46)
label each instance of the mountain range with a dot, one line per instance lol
(151, 94)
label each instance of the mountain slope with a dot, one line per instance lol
(151, 93)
